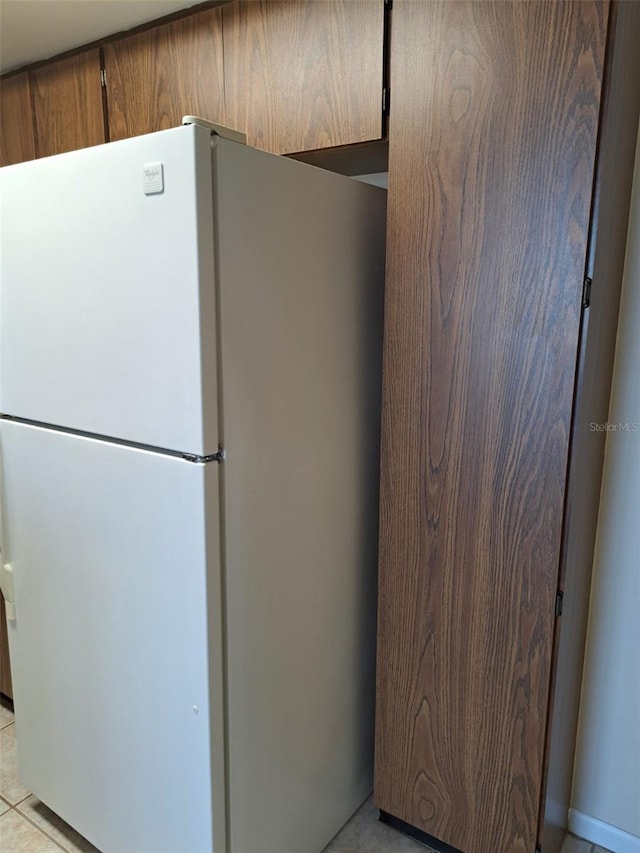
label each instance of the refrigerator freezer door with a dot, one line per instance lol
(115, 648)
(107, 291)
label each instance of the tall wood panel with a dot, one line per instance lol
(157, 76)
(300, 75)
(67, 97)
(492, 148)
(17, 141)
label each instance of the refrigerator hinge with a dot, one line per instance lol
(212, 457)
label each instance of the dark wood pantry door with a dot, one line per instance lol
(492, 148)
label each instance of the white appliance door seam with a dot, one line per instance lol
(163, 451)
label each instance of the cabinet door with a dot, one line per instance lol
(300, 75)
(16, 128)
(492, 148)
(67, 97)
(157, 76)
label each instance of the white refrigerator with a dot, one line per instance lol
(190, 360)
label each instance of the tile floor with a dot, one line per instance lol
(365, 834)
(28, 826)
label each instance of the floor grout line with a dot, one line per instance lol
(40, 829)
(35, 825)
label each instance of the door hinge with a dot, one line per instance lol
(538, 848)
(386, 97)
(103, 78)
(388, 4)
(586, 292)
(559, 598)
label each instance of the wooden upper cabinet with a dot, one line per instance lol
(157, 76)
(304, 75)
(67, 100)
(17, 142)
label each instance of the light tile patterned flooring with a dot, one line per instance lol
(28, 826)
(365, 834)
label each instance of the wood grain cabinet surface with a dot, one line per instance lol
(67, 100)
(493, 141)
(17, 141)
(304, 75)
(159, 75)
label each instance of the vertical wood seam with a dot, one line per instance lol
(34, 126)
(105, 99)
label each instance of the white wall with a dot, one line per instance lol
(606, 783)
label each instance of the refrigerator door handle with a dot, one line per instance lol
(8, 591)
(6, 571)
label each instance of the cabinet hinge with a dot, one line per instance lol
(386, 96)
(586, 292)
(103, 78)
(559, 598)
(538, 848)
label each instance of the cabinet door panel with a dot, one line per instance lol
(300, 75)
(492, 148)
(157, 76)
(67, 97)
(17, 141)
